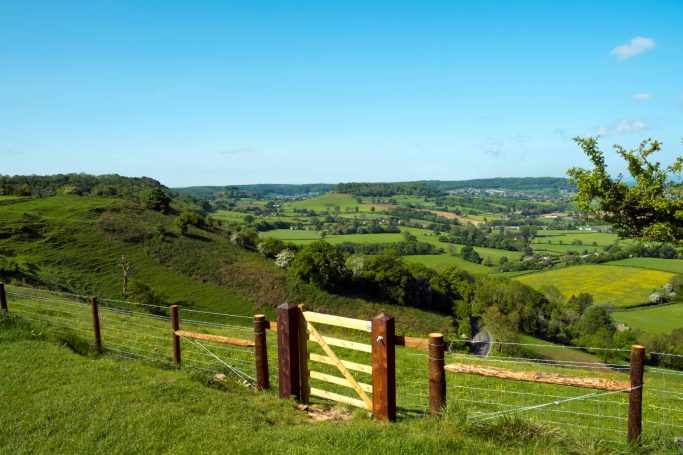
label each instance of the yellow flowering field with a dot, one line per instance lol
(620, 286)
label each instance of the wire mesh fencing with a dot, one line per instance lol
(135, 330)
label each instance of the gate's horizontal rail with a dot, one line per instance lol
(338, 321)
(339, 381)
(216, 338)
(346, 344)
(545, 378)
(350, 365)
(340, 398)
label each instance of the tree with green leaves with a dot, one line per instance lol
(649, 210)
(319, 263)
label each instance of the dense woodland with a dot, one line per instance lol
(80, 184)
(386, 189)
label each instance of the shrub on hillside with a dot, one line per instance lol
(142, 293)
(246, 238)
(186, 219)
(284, 258)
(270, 247)
(155, 199)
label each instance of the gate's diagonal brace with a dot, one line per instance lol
(330, 353)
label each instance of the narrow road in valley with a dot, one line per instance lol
(481, 342)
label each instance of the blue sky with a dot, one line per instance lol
(194, 93)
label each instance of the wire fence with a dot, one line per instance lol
(601, 414)
(133, 330)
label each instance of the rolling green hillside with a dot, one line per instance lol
(75, 243)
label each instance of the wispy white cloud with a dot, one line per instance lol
(492, 147)
(635, 46)
(641, 97)
(620, 128)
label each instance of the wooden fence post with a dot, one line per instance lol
(96, 325)
(303, 356)
(175, 326)
(288, 350)
(437, 374)
(261, 354)
(635, 396)
(3, 297)
(383, 367)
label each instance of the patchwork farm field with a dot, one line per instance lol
(665, 265)
(619, 286)
(655, 320)
(302, 237)
(569, 236)
(442, 261)
(327, 202)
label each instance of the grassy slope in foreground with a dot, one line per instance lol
(620, 286)
(55, 400)
(654, 320)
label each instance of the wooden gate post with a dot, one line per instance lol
(175, 326)
(96, 325)
(635, 396)
(383, 367)
(3, 297)
(437, 374)
(261, 352)
(288, 350)
(303, 357)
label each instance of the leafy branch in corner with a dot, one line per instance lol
(649, 210)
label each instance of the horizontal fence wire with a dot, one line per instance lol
(140, 331)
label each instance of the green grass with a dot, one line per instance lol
(546, 350)
(327, 202)
(56, 400)
(470, 397)
(564, 249)
(665, 265)
(303, 237)
(229, 216)
(620, 286)
(442, 261)
(567, 237)
(654, 320)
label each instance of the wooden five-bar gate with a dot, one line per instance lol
(296, 326)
